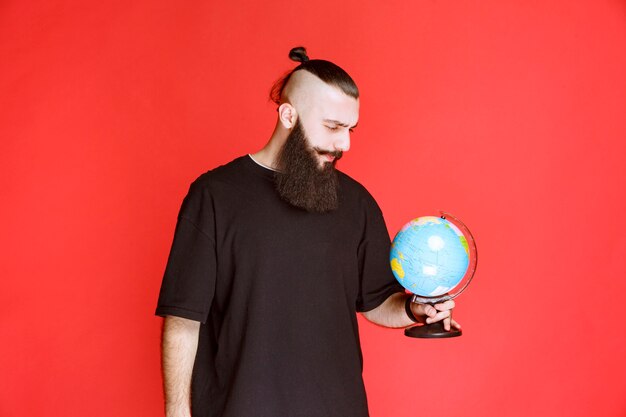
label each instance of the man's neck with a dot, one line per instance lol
(268, 156)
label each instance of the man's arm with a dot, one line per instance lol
(179, 342)
(391, 313)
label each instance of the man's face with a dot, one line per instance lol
(321, 133)
(328, 122)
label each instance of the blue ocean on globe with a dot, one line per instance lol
(429, 256)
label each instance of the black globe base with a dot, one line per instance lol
(432, 331)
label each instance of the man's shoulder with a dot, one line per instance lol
(224, 172)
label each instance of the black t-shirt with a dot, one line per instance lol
(276, 289)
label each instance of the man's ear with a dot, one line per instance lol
(287, 115)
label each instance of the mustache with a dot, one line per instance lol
(335, 154)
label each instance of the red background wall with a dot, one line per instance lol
(509, 114)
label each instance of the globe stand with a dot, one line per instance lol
(432, 331)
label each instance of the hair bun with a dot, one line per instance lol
(298, 54)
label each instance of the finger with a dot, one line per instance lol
(446, 323)
(438, 317)
(455, 324)
(426, 310)
(448, 305)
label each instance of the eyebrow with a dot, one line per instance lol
(338, 123)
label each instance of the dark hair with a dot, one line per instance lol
(325, 70)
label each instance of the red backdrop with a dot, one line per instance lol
(508, 114)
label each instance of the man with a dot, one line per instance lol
(273, 255)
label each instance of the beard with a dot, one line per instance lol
(300, 180)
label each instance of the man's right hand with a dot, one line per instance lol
(438, 312)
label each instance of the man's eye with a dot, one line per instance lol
(333, 128)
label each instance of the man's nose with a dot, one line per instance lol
(343, 143)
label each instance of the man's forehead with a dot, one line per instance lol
(342, 112)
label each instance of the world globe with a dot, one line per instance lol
(429, 256)
(435, 259)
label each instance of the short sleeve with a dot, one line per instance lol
(188, 284)
(377, 282)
